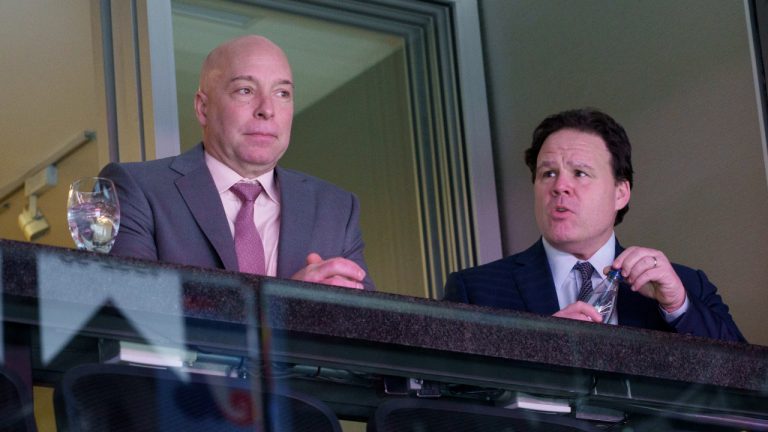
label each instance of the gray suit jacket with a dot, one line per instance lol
(171, 211)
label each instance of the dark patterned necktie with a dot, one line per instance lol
(248, 245)
(585, 270)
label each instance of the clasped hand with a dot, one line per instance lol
(333, 271)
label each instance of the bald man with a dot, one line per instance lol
(187, 209)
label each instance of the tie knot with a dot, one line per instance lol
(246, 192)
(585, 269)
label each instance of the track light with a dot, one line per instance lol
(31, 220)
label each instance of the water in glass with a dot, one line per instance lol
(93, 213)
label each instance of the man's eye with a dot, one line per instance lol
(284, 94)
(548, 174)
(581, 174)
(244, 91)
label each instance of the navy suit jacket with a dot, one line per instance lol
(524, 282)
(171, 211)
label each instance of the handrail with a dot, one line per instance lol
(72, 145)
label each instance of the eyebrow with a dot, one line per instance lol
(580, 165)
(551, 163)
(547, 163)
(252, 79)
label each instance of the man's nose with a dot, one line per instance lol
(265, 109)
(562, 186)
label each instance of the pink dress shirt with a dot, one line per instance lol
(266, 209)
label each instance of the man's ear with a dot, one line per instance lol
(201, 107)
(623, 192)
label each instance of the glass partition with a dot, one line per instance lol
(404, 363)
(119, 344)
(130, 345)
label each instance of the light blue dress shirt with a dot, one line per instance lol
(568, 281)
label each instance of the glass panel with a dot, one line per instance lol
(133, 343)
(414, 364)
(178, 348)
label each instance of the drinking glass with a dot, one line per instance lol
(93, 213)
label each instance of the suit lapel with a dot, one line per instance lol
(199, 193)
(297, 213)
(534, 280)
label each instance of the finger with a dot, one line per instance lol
(663, 285)
(591, 313)
(580, 311)
(655, 261)
(648, 266)
(618, 262)
(653, 267)
(342, 282)
(626, 260)
(645, 279)
(346, 268)
(646, 290)
(337, 267)
(314, 258)
(637, 261)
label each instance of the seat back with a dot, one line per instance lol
(425, 415)
(131, 398)
(16, 406)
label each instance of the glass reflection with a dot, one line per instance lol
(72, 291)
(249, 349)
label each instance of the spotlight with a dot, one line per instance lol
(32, 222)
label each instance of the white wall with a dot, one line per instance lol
(677, 75)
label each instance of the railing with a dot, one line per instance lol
(70, 146)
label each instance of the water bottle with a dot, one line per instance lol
(603, 297)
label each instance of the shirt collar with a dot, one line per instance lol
(561, 263)
(224, 177)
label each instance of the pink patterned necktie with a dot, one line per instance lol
(248, 245)
(585, 269)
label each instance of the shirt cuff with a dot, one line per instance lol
(672, 316)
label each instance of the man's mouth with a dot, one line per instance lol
(560, 211)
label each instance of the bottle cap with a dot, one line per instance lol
(615, 274)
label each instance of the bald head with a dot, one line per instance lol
(227, 53)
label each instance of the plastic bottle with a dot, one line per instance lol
(603, 297)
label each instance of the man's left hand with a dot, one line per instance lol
(649, 272)
(333, 271)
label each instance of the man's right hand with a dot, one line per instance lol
(580, 311)
(333, 271)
